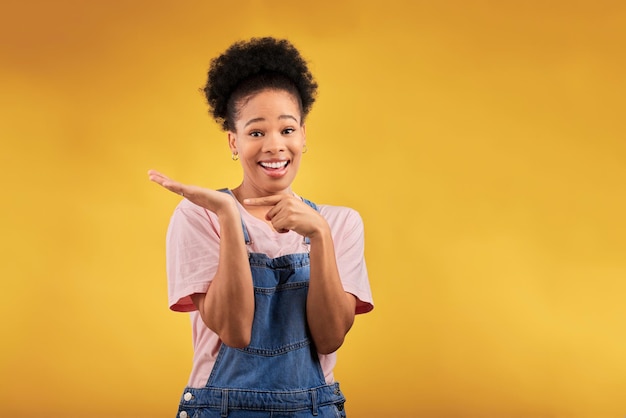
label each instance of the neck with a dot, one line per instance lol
(243, 191)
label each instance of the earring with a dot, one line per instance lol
(304, 149)
(234, 156)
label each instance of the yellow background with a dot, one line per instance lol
(482, 142)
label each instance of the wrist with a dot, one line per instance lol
(228, 211)
(321, 233)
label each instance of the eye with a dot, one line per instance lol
(288, 131)
(256, 134)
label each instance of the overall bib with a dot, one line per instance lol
(279, 373)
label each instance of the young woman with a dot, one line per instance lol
(271, 280)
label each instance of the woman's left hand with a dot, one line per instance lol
(289, 213)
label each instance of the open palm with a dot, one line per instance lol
(212, 200)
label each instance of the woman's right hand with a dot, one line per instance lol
(213, 200)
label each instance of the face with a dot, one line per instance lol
(269, 137)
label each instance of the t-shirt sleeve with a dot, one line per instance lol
(348, 238)
(192, 254)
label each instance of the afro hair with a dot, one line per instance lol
(248, 67)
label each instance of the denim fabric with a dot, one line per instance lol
(325, 402)
(278, 375)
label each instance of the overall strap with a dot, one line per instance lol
(308, 202)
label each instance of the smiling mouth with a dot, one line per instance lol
(276, 165)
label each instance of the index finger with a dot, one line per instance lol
(264, 201)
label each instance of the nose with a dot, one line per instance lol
(274, 143)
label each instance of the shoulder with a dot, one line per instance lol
(189, 208)
(339, 214)
(188, 215)
(341, 219)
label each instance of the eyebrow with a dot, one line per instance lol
(262, 119)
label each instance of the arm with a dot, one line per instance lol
(227, 308)
(330, 309)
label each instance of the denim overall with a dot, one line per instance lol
(279, 373)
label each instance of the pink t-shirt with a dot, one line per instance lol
(193, 240)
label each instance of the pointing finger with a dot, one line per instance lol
(264, 201)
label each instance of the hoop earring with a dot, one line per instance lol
(234, 156)
(304, 149)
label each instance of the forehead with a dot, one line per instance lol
(268, 103)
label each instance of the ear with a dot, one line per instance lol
(304, 133)
(232, 142)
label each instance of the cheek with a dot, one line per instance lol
(246, 149)
(297, 158)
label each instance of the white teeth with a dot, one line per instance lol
(278, 164)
